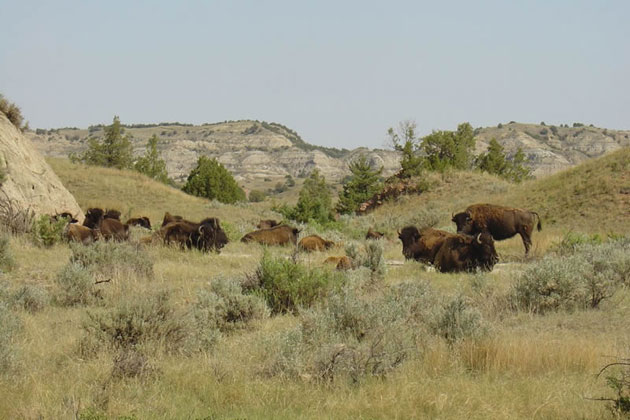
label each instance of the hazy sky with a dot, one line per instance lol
(338, 72)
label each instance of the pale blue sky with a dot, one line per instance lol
(338, 72)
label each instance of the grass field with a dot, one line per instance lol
(506, 362)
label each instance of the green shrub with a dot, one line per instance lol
(7, 262)
(75, 286)
(256, 196)
(286, 286)
(459, 320)
(572, 240)
(352, 336)
(9, 328)
(576, 281)
(31, 298)
(148, 322)
(13, 113)
(47, 232)
(211, 180)
(224, 308)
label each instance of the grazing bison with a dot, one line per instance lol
(314, 243)
(422, 245)
(205, 236)
(139, 221)
(169, 218)
(466, 253)
(109, 228)
(277, 235)
(501, 222)
(267, 224)
(372, 234)
(341, 263)
(81, 234)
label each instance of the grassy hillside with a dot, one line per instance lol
(509, 363)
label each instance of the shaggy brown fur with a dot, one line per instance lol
(341, 263)
(81, 234)
(314, 243)
(278, 235)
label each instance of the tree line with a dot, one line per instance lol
(438, 151)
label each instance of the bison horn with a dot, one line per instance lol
(398, 231)
(200, 230)
(477, 238)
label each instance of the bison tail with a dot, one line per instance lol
(539, 225)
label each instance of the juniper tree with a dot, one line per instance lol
(211, 180)
(362, 184)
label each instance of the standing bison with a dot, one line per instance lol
(501, 222)
(277, 235)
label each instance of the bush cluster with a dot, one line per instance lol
(223, 308)
(579, 280)
(13, 113)
(47, 232)
(287, 286)
(31, 298)
(353, 335)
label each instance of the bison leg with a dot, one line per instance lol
(526, 236)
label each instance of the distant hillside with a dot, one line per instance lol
(251, 150)
(255, 151)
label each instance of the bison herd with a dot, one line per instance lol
(471, 248)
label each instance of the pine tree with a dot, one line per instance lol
(362, 184)
(405, 141)
(114, 151)
(314, 202)
(211, 180)
(493, 161)
(151, 164)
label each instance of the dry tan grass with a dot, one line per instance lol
(527, 366)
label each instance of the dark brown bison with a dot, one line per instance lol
(341, 263)
(109, 228)
(64, 215)
(169, 218)
(501, 222)
(277, 235)
(206, 235)
(314, 243)
(422, 245)
(372, 234)
(139, 221)
(112, 214)
(267, 224)
(81, 234)
(466, 253)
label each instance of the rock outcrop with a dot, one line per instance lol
(30, 182)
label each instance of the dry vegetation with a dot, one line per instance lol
(172, 334)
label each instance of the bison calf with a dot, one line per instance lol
(314, 243)
(277, 235)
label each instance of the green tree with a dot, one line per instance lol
(211, 180)
(495, 161)
(314, 202)
(114, 151)
(256, 196)
(151, 164)
(360, 186)
(405, 141)
(449, 149)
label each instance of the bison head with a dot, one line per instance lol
(211, 236)
(464, 223)
(93, 218)
(486, 254)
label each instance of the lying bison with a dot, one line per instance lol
(341, 263)
(373, 234)
(314, 243)
(81, 234)
(267, 224)
(139, 221)
(466, 253)
(422, 245)
(169, 218)
(109, 228)
(448, 251)
(501, 222)
(277, 235)
(206, 235)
